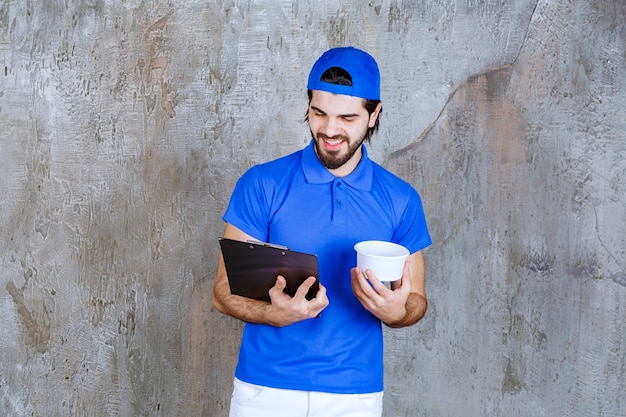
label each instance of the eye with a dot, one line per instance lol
(317, 112)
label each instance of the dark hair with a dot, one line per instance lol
(337, 75)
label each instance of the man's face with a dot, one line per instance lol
(339, 124)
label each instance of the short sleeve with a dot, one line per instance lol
(412, 231)
(248, 209)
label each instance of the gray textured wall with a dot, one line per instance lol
(125, 124)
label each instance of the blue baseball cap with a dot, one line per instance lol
(360, 65)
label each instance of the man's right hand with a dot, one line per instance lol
(285, 310)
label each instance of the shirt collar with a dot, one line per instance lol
(316, 173)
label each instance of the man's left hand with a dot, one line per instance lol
(389, 305)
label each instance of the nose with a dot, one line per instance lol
(331, 127)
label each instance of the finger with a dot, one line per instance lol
(277, 292)
(303, 289)
(321, 300)
(281, 283)
(321, 294)
(377, 284)
(404, 285)
(363, 290)
(356, 280)
(365, 284)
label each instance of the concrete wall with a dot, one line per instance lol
(125, 124)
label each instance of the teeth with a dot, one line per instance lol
(333, 141)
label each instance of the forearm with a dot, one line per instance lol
(242, 308)
(415, 308)
(281, 311)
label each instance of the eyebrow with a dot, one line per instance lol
(318, 110)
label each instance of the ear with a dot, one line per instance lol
(375, 115)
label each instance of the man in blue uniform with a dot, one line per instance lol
(324, 356)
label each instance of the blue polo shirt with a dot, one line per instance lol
(296, 202)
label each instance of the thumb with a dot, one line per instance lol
(405, 281)
(281, 282)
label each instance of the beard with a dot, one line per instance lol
(336, 159)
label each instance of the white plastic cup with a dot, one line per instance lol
(384, 259)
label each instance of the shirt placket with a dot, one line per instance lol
(339, 201)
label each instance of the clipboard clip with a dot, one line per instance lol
(269, 245)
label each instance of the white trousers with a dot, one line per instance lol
(251, 400)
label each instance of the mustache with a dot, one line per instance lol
(323, 136)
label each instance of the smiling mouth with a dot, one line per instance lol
(333, 143)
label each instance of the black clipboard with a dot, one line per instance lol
(252, 268)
